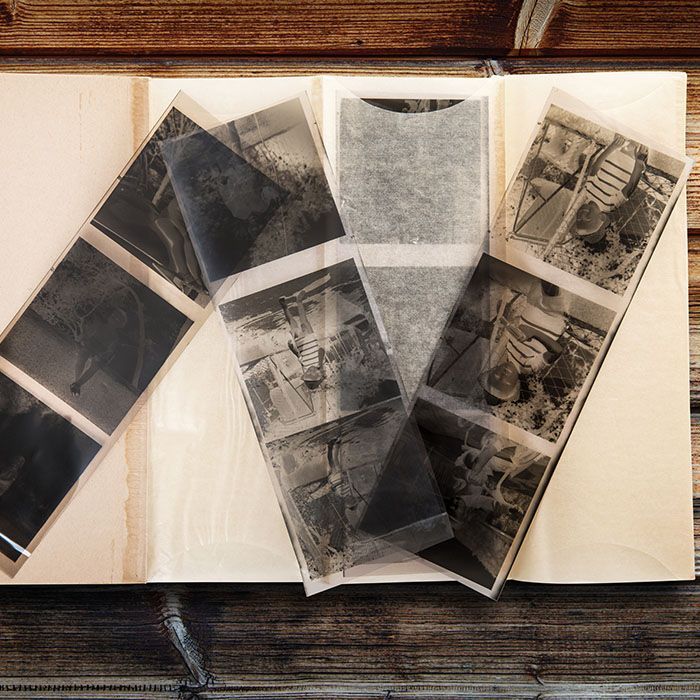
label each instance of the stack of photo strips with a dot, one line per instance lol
(403, 406)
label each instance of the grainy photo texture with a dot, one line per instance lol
(41, 458)
(310, 351)
(143, 215)
(413, 179)
(328, 475)
(94, 336)
(255, 193)
(587, 200)
(519, 348)
(487, 481)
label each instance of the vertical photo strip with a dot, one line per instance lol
(318, 374)
(82, 355)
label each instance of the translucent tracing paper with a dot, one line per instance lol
(518, 356)
(317, 370)
(413, 177)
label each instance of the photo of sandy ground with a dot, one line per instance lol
(519, 348)
(94, 336)
(487, 482)
(310, 351)
(41, 458)
(587, 200)
(253, 193)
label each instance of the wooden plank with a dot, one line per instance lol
(432, 640)
(334, 27)
(254, 28)
(391, 641)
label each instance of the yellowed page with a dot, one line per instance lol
(63, 141)
(619, 505)
(213, 514)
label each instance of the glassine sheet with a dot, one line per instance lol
(316, 368)
(82, 355)
(528, 334)
(413, 177)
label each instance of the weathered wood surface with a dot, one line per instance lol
(360, 641)
(313, 28)
(392, 641)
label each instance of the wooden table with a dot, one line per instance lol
(364, 641)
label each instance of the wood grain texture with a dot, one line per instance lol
(359, 641)
(314, 28)
(404, 641)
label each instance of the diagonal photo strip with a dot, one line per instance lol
(84, 353)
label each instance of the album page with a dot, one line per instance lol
(65, 139)
(619, 505)
(240, 534)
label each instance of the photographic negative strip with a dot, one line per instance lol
(318, 376)
(143, 216)
(487, 481)
(519, 347)
(85, 350)
(310, 351)
(255, 192)
(94, 336)
(42, 456)
(588, 199)
(527, 337)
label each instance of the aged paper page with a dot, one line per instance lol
(64, 140)
(619, 505)
(213, 514)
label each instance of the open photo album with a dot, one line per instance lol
(344, 329)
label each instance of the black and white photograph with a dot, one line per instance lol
(487, 483)
(142, 213)
(94, 336)
(42, 456)
(519, 347)
(261, 197)
(328, 475)
(310, 350)
(411, 105)
(587, 200)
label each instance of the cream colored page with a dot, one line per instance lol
(63, 141)
(619, 505)
(212, 509)
(213, 512)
